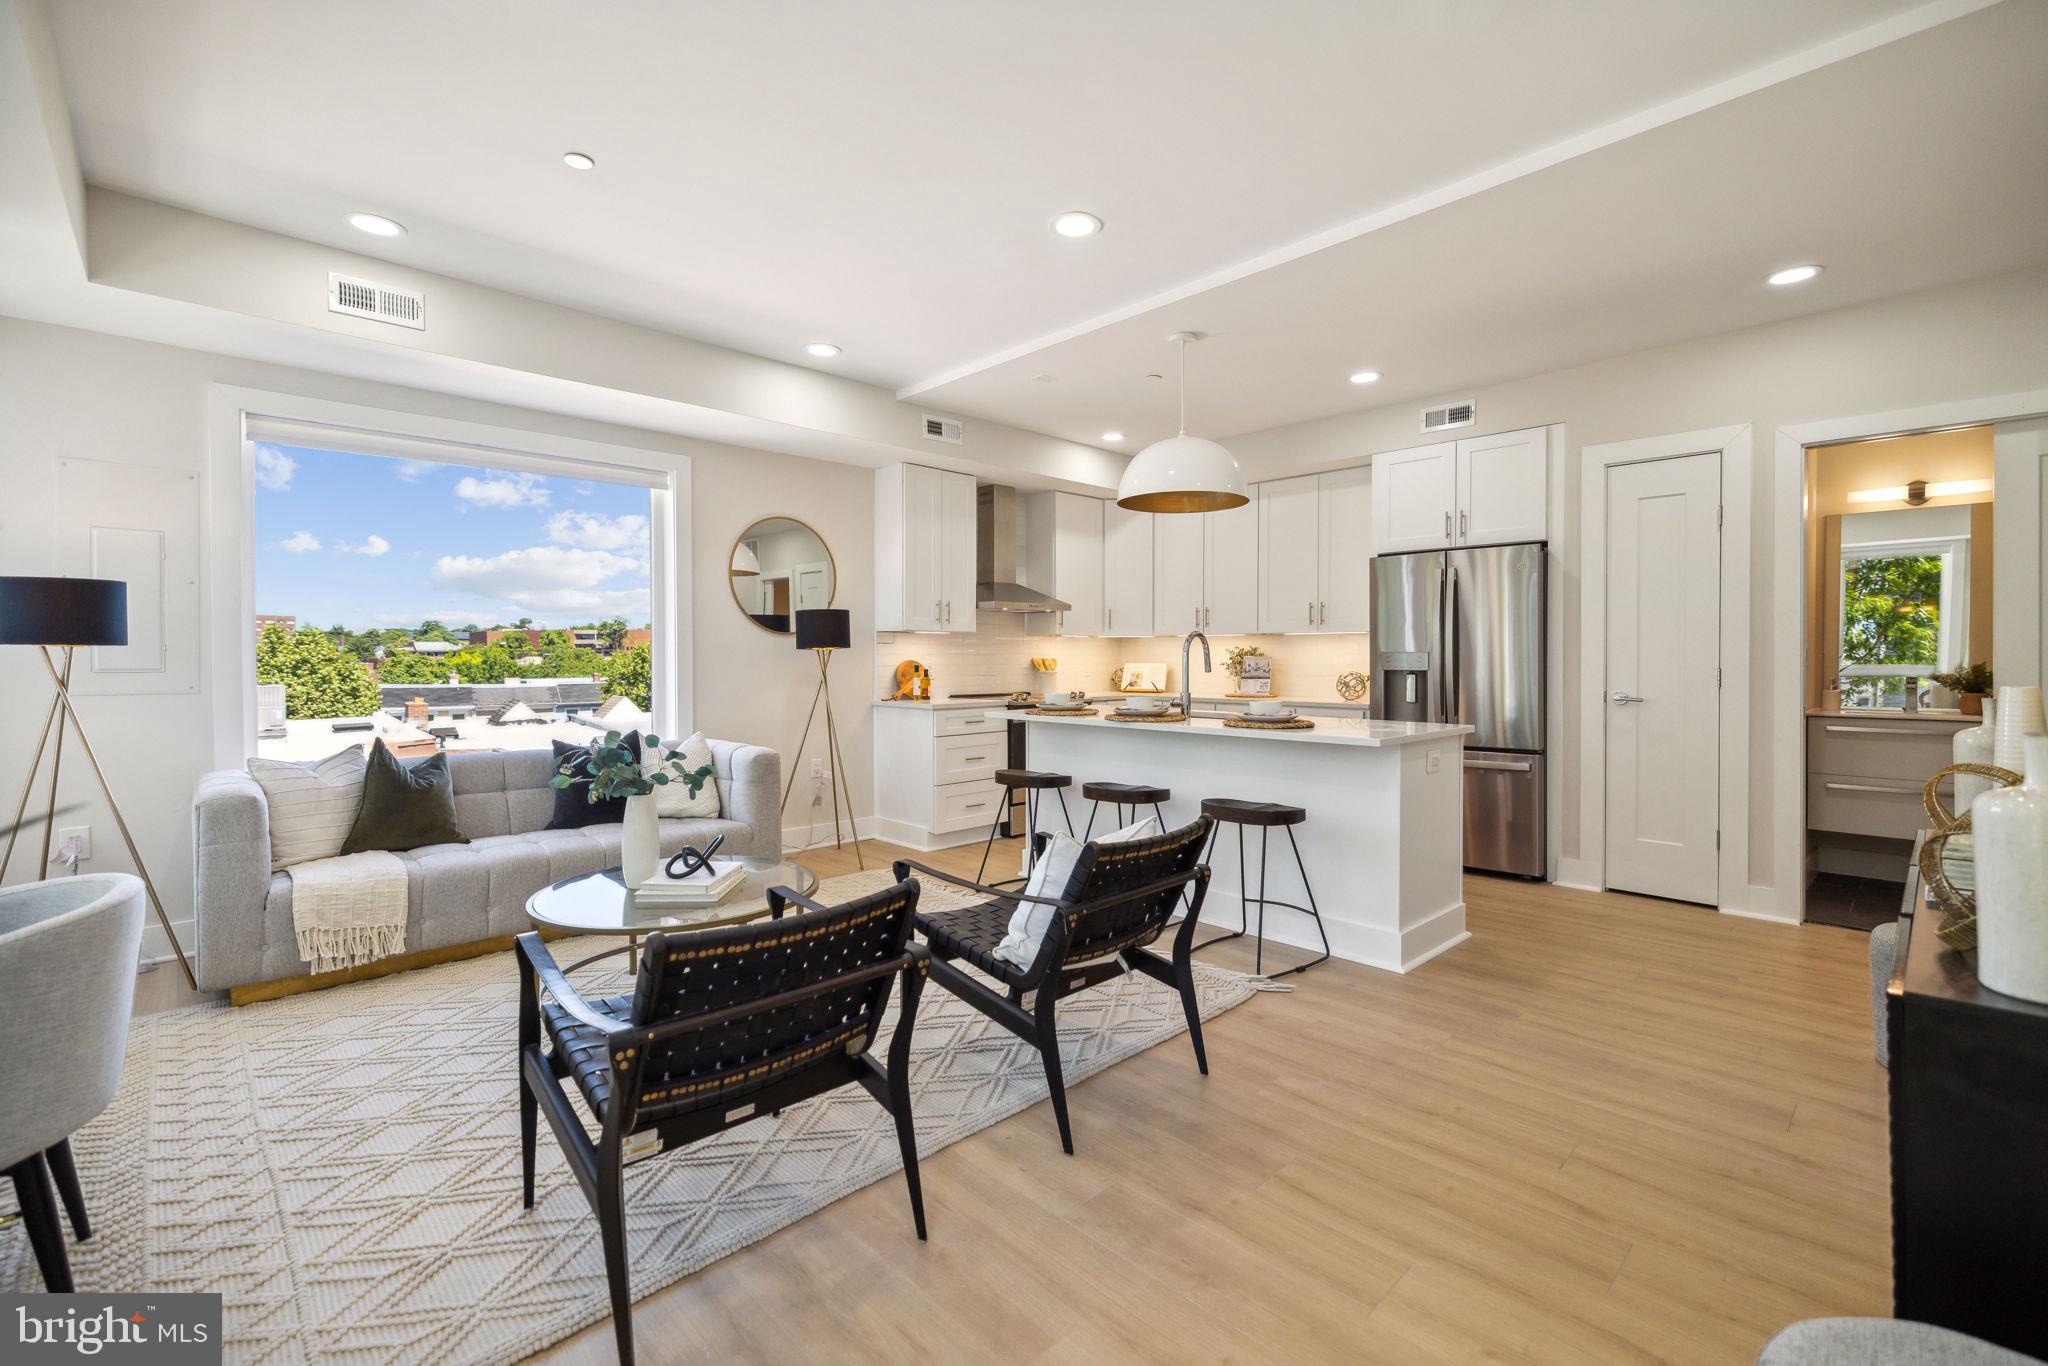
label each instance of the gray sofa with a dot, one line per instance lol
(460, 893)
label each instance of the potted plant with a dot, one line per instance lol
(1971, 684)
(615, 772)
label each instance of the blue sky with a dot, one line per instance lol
(366, 540)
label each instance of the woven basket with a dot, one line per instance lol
(1958, 928)
(1172, 715)
(1260, 723)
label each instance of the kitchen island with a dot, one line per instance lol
(1384, 838)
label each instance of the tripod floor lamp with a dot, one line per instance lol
(821, 630)
(68, 615)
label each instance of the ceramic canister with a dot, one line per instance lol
(2012, 881)
(1973, 745)
(2019, 715)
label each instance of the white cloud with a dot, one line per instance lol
(411, 470)
(373, 546)
(549, 579)
(579, 604)
(503, 491)
(595, 531)
(274, 469)
(299, 542)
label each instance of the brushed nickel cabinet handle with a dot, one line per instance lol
(1882, 730)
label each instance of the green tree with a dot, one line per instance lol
(612, 630)
(1891, 610)
(401, 665)
(488, 664)
(319, 680)
(554, 640)
(632, 676)
(433, 630)
(363, 644)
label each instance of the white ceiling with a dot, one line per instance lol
(881, 175)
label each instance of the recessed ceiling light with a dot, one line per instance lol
(1112, 436)
(1365, 377)
(376, 224)
(822, 350)
(579, 161)
(1077, 224)
(1794, 275)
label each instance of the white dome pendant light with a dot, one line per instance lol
(1182, 473)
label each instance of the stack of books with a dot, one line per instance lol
(706, 887)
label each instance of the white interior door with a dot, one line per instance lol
(1662, 679)
(812, 586)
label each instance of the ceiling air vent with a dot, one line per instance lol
(1450, 415)
(380, 303)
(944, 429)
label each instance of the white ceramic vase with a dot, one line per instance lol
(2019, 715)
(1973, 745)
(2012, 882)
(640, 852)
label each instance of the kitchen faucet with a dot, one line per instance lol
(1187, 694)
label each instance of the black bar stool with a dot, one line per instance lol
(1121, 795)
(1265, 815)
(1032, 783)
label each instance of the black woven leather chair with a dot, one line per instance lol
(723, 1026)
(1117, 903)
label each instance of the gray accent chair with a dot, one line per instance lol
(68, 949)
(460, 893)
(1883, 951)
(1882, 1342)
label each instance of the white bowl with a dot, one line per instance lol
(1270, 709)
(1148, 706)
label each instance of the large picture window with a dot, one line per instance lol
(445, 604)
(1905, 616)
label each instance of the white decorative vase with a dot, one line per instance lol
(2019, 715)
(1973, 745)
(640, 852)
(2012, 882)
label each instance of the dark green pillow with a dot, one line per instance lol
(405, 806)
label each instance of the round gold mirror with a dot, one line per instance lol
(779, 566)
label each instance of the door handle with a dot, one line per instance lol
(1508, 765)
(1622, 699)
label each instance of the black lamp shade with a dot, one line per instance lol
(824, 628)
(40, 611)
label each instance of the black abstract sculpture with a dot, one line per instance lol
(692, 860)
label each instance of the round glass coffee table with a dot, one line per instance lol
(599, 903)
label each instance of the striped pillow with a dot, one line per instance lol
(312, 805)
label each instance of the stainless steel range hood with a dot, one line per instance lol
(995, 556)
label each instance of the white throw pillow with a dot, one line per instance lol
(1055, 870)
(313, 804)
(672, 799)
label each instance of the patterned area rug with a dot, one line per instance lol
(344, 1166)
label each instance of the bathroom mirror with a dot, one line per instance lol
(779, 566)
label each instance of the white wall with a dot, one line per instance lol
(1979, 339)
(92, 396)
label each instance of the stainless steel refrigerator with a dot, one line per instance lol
(1457, 635)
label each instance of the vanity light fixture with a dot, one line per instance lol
(376, 224)
(1365, 377)
(1919, 491)
(1794, 275)
(822, 350)
(1074, 223)
(1182, 473)
(579, 161)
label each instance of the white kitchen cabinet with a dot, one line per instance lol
(1290, 535)
(1414, 497)
(1503, 488)
(1231, 570)
(1179, 572)
(935, 773)
(924, 549)
(1126, 571)
(1063, 557)
(1345, 601)
(1316, 540)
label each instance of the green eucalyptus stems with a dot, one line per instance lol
(615, 771)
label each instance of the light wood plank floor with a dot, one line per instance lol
(1604, 1129)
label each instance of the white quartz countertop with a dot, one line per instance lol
(982, 704)
(1329, 730)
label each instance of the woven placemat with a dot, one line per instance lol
(1257, 723)
(1173, 716)
(1061, 711)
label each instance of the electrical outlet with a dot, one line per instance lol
(1433, 762)
(81, 833)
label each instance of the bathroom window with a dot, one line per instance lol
(1905, 609)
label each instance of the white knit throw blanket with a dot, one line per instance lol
(347, 911)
